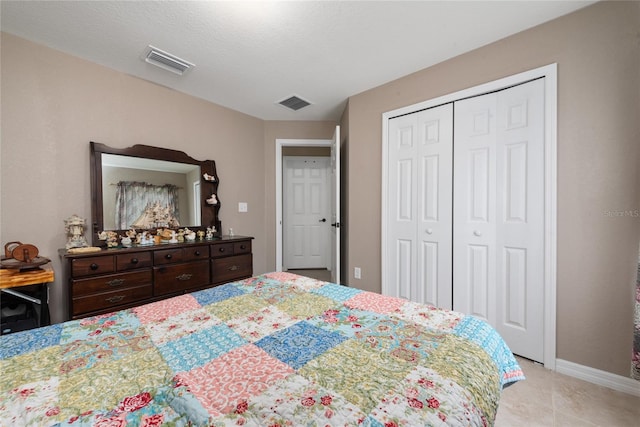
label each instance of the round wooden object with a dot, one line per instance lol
(24, 253)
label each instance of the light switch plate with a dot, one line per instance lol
(243, 207)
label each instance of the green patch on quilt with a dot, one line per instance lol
(30, 367)
(235, 307)
(360, 374)
(461, 360)
(108, 383)
(306, 305)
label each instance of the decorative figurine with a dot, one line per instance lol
(200, 234)
(210, 231)
(209, 178)
(125, 241)
(74, 226)
(112, 239)
(213, 200)
(189, 235)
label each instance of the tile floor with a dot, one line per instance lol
(547, 398)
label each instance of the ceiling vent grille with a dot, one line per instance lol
(166, 61)
(294, 103)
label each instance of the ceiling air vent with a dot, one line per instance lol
(165, 60)
(294, 103)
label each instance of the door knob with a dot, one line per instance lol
(323, 220)
(477, 233)
(429, 230)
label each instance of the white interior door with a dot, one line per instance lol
(335, 206)
(419, 206)
(307, 209)
(499, 213)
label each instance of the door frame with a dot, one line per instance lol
(279, 169)
(329, 193)
(550, 73)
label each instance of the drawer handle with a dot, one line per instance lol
(168, 256)
(197, 253)
(116, 298)
(94, 266)
(233, 268)
(134, 260)
(184, 277)
(221, 249)
(243, 247)
(115, 282)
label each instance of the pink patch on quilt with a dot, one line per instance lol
(223, 383)
(161, 310)
(375, 302)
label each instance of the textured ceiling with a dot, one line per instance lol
(251, 55)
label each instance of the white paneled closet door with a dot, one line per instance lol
(498, 233)
(419, 206)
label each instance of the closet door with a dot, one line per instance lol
(419, 209)
(499, 213)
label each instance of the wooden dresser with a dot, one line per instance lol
(114, 279)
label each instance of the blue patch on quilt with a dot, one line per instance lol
(337, 292)
(217, 294)
(481, 333)
(197, 349)
(28, 341)
(299, 343)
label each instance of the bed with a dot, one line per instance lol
(274, 350)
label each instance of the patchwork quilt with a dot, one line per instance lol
(274, 350)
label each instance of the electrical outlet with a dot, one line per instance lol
(243, 207)
(357, 273)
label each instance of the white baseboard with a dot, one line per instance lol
(596, 376)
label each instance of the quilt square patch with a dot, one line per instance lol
(161, 310)
(336, 292)
(425, 398)
(123, 323)
(223, 383)
(261, 323)
(180, 325)
(106, 384)
(194, 350)
(299, 343)
(377, 303)
(217, 294)
(301, 400)
(28, 341)
(344, 321)
(30, 367)
(365, 375)
(29, 401)
(306, 305)
(429, 316)
(239, 306)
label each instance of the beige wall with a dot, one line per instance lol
(598, 54)
(53, 104)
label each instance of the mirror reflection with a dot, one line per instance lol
(146, 193)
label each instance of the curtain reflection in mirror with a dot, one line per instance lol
(143, 205)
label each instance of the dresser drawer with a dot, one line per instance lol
(167, 256)
(95, 302)
(92, 266)
(111, 282)
(132, 261)
(231, 268)
(242, 247)
(180, 277)
(196, 253)
(224, 249)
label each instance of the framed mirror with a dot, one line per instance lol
(146, 188)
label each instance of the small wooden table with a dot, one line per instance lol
(10, 279)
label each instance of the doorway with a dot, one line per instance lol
(333, 221)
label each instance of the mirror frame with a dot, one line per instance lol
(208, 213)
